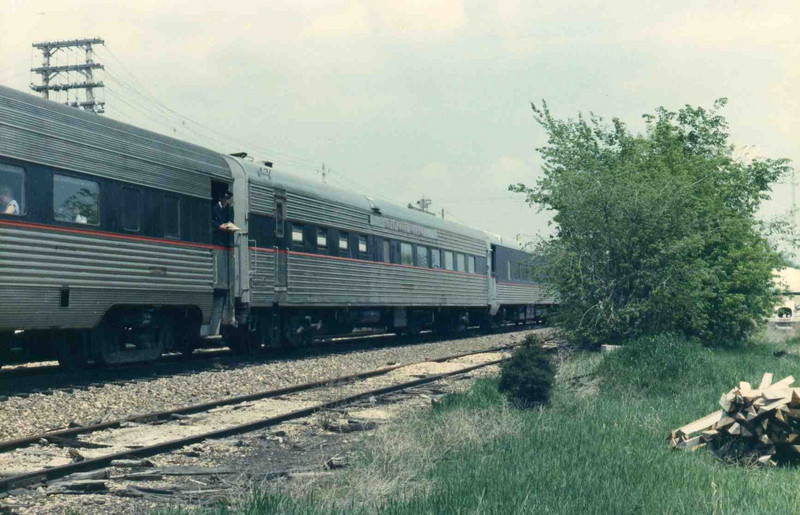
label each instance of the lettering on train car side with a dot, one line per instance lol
(400, 226)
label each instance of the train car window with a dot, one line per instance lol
(480, 265)
(406, 254)
(471, 264)
(343, 241)
(387, 253)
(322, 238)
(172, 217)
(12, 190)
(362, 244)
(508, 270)
(448, 260)
(280, 216)
(297, 234)
(436, 258)
(460, 262)
(131, 209)
(76, 200)
(422, 256)
(395, 252)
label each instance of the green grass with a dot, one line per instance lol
(600, 447)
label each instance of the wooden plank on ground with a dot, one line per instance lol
(699, 424)
(766, 381)
(783, 383)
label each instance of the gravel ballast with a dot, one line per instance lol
(36, 413)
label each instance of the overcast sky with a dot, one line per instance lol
(401, 99)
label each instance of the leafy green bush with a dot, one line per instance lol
(526, 377)
(656, 232)
(664, 364)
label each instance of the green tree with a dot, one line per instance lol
(655, 232)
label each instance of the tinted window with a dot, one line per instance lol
(460, 262)
(422, 256)
(131, 208)
(76, 200)
(406, 254)
(279, 218)
(172, 217)
(448, 260)
(12, 189)
(387, 255)
(322, 238)
(471, 264)
(297, 233)
(436, 258)
(362, 244)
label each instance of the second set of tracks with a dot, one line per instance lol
(68, 437)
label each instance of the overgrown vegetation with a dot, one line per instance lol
(657, 365)
(473, 454)
(527, 376)
(655, 232)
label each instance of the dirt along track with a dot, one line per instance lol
(216, 420)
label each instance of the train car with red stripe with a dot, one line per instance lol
(109, 251)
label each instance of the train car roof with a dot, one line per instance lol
(275, 177)
(36, 130)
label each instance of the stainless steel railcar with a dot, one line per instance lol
(111, 254)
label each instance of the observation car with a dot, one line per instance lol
(108, 251)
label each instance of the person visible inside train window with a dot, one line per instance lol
(223, 213)
(8, 206)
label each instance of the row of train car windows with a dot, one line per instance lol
(74, 200)
(405, 253)
(77, 201)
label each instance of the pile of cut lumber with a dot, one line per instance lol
(765, 421)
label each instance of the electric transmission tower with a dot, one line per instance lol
(86, 70)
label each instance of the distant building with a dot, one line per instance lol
(788, 280)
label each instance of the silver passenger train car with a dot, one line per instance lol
(108, 251)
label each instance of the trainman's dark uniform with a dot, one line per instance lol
(221, 215)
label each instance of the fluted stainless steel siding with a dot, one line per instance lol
(263, 277)
(522, 294)
(100, 270)
(322, 281)
(45, 132)
(38, 307)
(330, 214)
(262, 200)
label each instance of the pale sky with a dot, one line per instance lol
(404, 99)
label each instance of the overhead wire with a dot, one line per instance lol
(165, 116)
(143, 91)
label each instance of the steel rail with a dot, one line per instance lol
(205, 406)
(50, 474)
(15, 370)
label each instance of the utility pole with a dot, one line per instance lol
(323, 174)
(48, 72)
(794, 199)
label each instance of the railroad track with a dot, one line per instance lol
(44, 378)
(63, 437)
